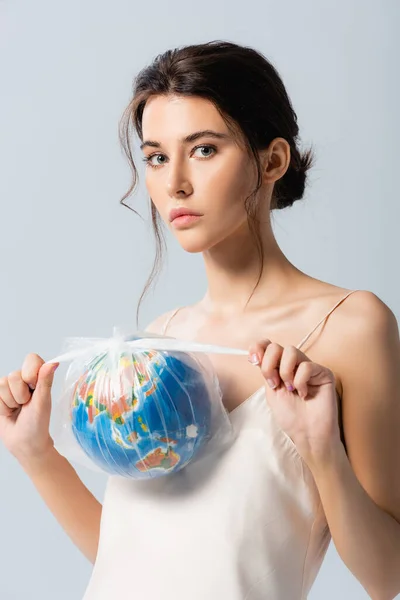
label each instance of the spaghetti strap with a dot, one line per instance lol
(303, 341)
(164, 329)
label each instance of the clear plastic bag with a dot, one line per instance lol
(139, 406)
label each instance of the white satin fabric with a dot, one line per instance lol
(247, 525)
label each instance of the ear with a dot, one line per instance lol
(275, 160)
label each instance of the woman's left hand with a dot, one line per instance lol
(303, 401)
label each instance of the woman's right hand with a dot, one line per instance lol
(25, 408)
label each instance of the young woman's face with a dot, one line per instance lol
(210, 175)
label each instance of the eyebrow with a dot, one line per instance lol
(189, 138)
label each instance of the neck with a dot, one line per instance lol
(233, 267)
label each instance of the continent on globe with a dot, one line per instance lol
(158, 459)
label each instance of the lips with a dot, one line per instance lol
(179, 212)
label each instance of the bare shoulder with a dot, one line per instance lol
(363, 321)
(364, 314)
(157, 325)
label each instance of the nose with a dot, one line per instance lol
(178, 184)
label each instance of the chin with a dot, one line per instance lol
(193, 243)
(199, 241)
(194, 248)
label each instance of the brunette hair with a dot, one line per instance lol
(249, 94)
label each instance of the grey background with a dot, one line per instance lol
(73, 261)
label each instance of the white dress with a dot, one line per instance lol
(248, 526)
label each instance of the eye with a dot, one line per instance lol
(207, 147)
(149, 159)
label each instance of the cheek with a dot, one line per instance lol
(232, 181)
(230, 194)
(154, 193)
(150, 185)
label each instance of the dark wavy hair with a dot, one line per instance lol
(249, 94)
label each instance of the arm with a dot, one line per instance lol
(360, 492)
(366, 537)
(71, 503)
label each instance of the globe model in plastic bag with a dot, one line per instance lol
(139, 413)
(152, 423)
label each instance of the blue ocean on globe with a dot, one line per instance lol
(154, 424)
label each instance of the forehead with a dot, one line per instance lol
(175, 116)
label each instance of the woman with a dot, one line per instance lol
(317, 410)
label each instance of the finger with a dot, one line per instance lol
(301, 379)
(30, 369)
(290, 360)
(270, 365)
(5, 411)
(45, 382)
(7, 401)
(19, 389)
(306, 373)
(256, 351)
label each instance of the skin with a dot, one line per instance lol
(215, 182)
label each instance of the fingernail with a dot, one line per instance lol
(271, 383)
(55, 367)
(289, 387)
(254, 359)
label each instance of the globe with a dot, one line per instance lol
(141, 414)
